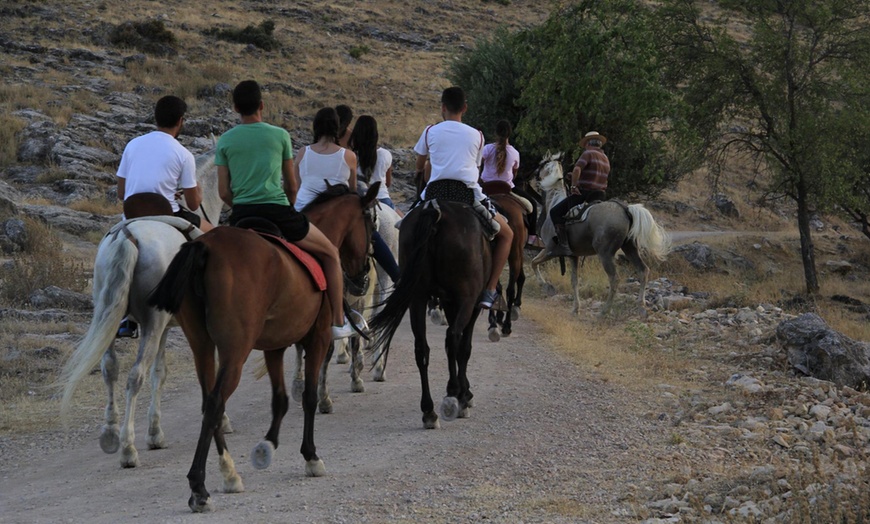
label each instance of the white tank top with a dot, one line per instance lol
(314, 169)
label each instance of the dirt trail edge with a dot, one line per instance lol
(545, 442)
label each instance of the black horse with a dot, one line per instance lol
(443, 254)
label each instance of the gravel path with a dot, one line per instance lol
(544, 443)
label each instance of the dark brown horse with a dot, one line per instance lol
(233, 289)
(514, 212)
(443, 254)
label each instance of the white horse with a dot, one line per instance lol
(605, 228)
(131, 260)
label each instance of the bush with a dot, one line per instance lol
(149, 37)
(260, 36)
(40, 265)
(358, 50)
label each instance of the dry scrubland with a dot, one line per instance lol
(388, 59)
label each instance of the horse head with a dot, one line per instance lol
(206, 177)
(550, 173)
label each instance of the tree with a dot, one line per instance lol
(783, 90)
(591, 66)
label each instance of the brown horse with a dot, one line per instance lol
(514, 212)
(443, 254)
(233, 289)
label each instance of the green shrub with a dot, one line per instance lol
(260, 36)
(358, 50)
(149, 37)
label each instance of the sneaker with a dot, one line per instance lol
(343, 331)
(487, 298)
(128, 329)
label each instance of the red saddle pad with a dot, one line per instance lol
(306, 259)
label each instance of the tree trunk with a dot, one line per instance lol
(807, 250)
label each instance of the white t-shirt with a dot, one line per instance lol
(454, 151)
(382, 165)
(315, 169)
(157, 163)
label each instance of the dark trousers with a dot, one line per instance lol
(557, 214)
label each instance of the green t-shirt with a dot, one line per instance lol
(254, 154)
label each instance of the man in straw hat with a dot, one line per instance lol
(588, 183)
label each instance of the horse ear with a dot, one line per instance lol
(214, 141)
(372, 194)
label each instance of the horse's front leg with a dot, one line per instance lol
(109, 441)
(316, 349)
(148, 346)
(298, 376)
(417, 313)
(460, 319)
(324, 402)
(357, 363)
(539, 259)
(518, 301)
(463, 356)
(575, 283)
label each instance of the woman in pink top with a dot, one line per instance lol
(500, 163)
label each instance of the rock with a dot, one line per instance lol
(55, 297)
(838, 266)
(75, 222)
(36, 141)
(745, 383)
(13, 236)
(8, 196)
(725, 205)
(818, 351)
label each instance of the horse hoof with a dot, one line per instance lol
(297, 389)
(234, 485)
(110, 442)
(463, 413)
(515, 313)
(506, 332)
(226, 427)
(314, 468)
(342, 358)
(435, 316)
(261, 456)
(157, 441)
(380, 376)
(430, 421)
(470, 403)
(493, 334)
(358, 386)
(449, 408)
(130, 458)
(199, 504)
(325, 406)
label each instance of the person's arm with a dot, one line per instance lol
(297, 172)
(193, 197)
(291, 180)
(224, 189)
(388, 176)
(122, 186)
(422, 172)
(575, 173)
(350, 159)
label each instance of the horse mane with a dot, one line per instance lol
(328, 194)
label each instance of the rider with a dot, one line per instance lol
(158, 163)
(588, 183)
(252, 160)
(345, 117)
(454, 151)
(500, 163)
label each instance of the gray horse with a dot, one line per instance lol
(607, 228)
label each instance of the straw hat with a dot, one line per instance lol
(592, 135)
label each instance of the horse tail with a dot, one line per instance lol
(647, 234)
(415, 273)
(183, 275)
(111, 296)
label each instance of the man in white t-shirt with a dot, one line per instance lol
(453, 150)
(158, 163)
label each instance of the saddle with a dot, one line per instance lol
(269, 231)
(500, 187)
(580, 212)
(146, 205)
(456, 191)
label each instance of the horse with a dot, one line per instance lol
(234, 290)
(443, 253)
(130, 260)
(607, 227)
(514, 212)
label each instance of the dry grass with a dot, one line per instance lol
(98, 206)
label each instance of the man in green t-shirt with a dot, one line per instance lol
(253, 160)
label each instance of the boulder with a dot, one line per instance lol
(54, 297)
(13, 236)
(816, 350)
(725, 205)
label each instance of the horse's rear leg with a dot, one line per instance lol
(539, 259)
(109, 440)
(632, 254)
(417, 313)
(463, 356)
(298, 385)
(575, 283)
(609, 262)
(261, 457)
(148, 348)
(357, 364)
(316, 349)
(461, 320)
(324, 402)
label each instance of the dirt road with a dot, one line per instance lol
(544, 443)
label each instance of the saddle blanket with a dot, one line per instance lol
(306, 259)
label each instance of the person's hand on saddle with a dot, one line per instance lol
(575, 190)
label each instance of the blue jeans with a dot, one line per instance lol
(384, 256)
(387, 202)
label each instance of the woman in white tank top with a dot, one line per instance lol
(324, 161)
